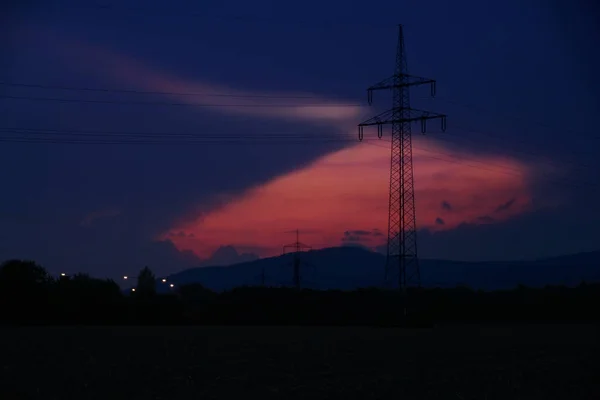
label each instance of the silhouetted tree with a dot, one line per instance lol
(81, 298)
(25, 286)
(94, 288)
(33, 296)
(22, 278)
(146, 282)
(23, 273)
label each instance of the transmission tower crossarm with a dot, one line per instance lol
(296, 246)
(399, 81)
(391, 117)
(387, 117)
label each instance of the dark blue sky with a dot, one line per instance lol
(515, 79)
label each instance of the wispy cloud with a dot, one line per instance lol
(301, 107)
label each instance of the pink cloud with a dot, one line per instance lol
(348, 190)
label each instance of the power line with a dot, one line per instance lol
(174, 143)
(453, 137)
(250, 96)
(110, 137)
(180, 12)
(260, 134)
(83, 136)
(80, 135)
(250, 142)
(450, 137)
(131, 91)
(515, 117)
(148, 103)
(501, 169)
(54, 136)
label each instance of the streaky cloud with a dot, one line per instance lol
(299, 107)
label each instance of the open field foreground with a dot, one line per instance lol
(467, 362)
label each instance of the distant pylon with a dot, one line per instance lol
(402, 232)
(297, 247)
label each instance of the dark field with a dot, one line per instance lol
(468, 362)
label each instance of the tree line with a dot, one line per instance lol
(29, 295)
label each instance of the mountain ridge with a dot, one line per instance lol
(350, 267)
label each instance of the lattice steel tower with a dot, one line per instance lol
(297, 248)
(402, 235)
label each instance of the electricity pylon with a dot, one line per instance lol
(297, 247)
(402, 233)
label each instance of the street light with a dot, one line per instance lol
(126, 277)
(162, 280)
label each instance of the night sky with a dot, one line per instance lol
(256, 124)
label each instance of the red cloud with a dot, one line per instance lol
(348, 190)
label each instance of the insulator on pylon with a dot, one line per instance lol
(433, 89)
(423, 125)
(360, 133)
(370, 96)
(444, 124)
(379, 131)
